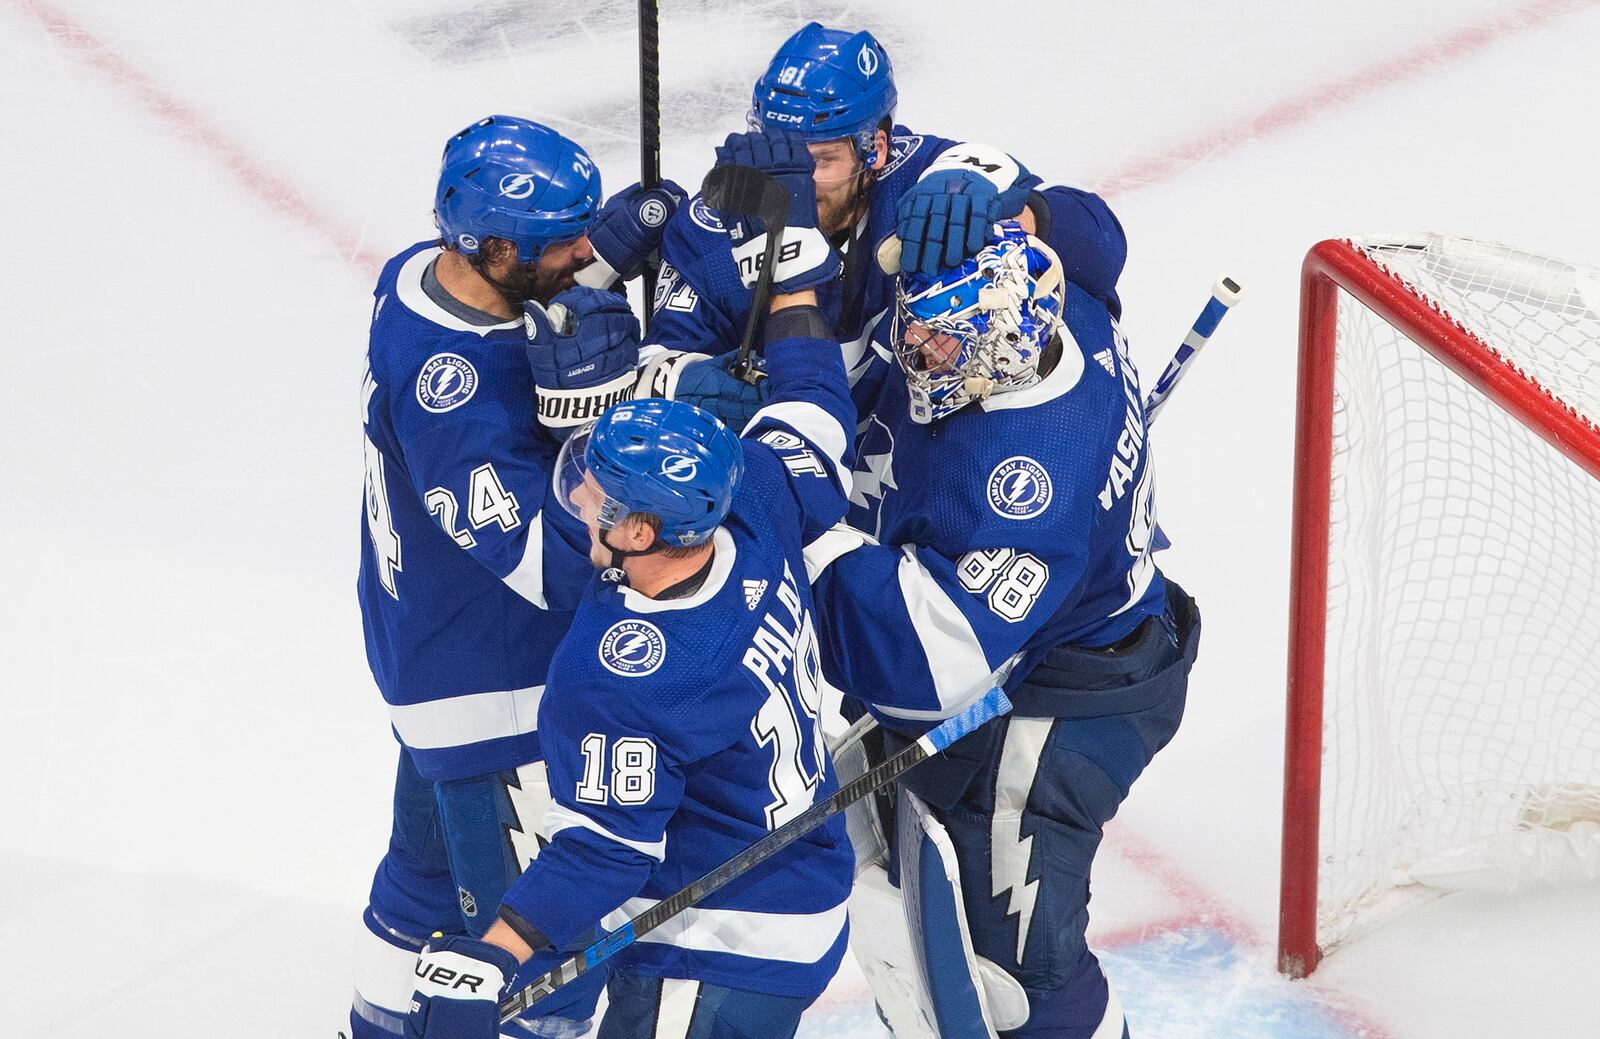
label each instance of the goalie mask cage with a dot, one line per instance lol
(1444, 659)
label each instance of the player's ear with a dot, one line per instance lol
(880, 144)
(635, 533)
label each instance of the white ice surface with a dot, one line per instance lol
(195, 763)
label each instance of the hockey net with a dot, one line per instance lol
(1444, 687)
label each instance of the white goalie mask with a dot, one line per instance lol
(980, 328)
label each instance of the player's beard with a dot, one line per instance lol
(527, 281)
(839, 208)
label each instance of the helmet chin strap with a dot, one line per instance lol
(621, 555)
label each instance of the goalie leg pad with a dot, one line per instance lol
(966, 996)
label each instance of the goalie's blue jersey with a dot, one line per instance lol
(701, 305)
(468, 574)
(1004, 529)
(677, 732)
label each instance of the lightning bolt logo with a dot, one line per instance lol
(1017, 486)
(632, 648)
(874, 473)
(528, 790)
(447, 379)
(629, 646)
(1010, 851)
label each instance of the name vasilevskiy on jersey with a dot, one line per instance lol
(1130, 442)
(773, 645)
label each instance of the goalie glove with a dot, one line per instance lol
(583, 349)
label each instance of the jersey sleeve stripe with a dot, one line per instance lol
(460, 720)
(791, 937)
(527, 580)
(559, 817)
(812, 423)
(955, 658)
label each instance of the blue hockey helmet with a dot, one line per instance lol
(504, 177)
(824, 84)
(979, 328)
(662, 457)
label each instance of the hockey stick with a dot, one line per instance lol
(740, 191)
(649, 123)
(1224, 295)
(991, 705)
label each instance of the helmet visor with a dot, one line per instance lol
(576, 488)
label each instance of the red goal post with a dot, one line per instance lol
(1359, 273)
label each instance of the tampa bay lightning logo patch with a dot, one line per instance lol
(900, 149)
(632, 648)
(1019, 488)
(706, 217)
(447, 381)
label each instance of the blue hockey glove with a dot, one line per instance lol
(783, 157)
(627, 230)
(948, 215)
(583, 350)
(806, 260)
(460, 982)
(708, 384)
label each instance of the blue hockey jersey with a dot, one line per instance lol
(467, 576)
(678, 732)
(701, 305)
(1011, 526)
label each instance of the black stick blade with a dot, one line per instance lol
(743, 191)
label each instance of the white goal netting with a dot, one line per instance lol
(1462, 678)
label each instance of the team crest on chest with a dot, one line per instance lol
(632, 648)
(1019, 488)
(705, 216)
(447, 381)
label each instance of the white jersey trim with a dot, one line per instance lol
(789, 937)
(814, 424)
(723, 555)
(460, 721)
(955, 657)
(408, 288)
(527, 580)
(559, 817)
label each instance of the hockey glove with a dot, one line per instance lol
(460, 982)
(709, 385)
(805, 260)
(583, 350)
(627, 231)
(949, 214)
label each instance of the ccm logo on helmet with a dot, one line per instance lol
(517, 185)
(679, 468)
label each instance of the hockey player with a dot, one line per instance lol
(873, 179)
(466, 573)
(1005, 479)
(680, 724)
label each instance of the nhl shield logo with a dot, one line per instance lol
(446, 381)
(632, 648)
(1019, 488)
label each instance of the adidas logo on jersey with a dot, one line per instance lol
(753, 591)
(1104, 357)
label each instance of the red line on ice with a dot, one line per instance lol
(248, 170)
(1204, 909)
(1428, 56)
